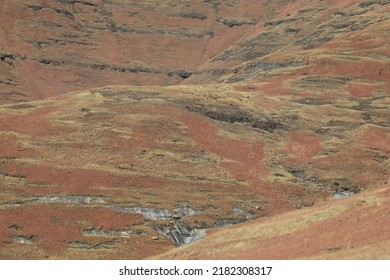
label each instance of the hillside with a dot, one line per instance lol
(131, 128)
(50, 47)
(354, 228)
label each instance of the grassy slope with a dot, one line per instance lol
(354, 228)
(280, 137)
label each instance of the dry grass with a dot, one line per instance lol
(275, 123)
(259, 239)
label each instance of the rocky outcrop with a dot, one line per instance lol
(53, 47)
(73, 45)
(281, 106)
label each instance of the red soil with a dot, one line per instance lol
(38, 123)
(245, 158)
(376, 71)
(378, 138)
(360, 90)
(11, 147)
(154, 153)
(54, 226)
(275, 86)
(79, 181)
(333, 234)
(358, 224)
(303, 145)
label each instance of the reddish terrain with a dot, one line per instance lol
(247, 124)
(355, 228)
(50, 47)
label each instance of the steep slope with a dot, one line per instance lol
(152, 161)
(285, 106)
(354, 228)
(301, 33)
(50, 47)
(153, 167)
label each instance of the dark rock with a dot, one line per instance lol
(268, 125)
(235, 22)
(184, 74)
(64, 12)
(45, 61)
(84, 2)
(373, 2)
(180, 233)
(229, 114)
(191, 15)
(21, 106)
(298, 173)
(292, 30)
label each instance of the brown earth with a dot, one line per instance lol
(354, 228)
(207, 148)
(50, 47)
(237, 111)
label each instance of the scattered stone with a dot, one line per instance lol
(180, 233)
(117, 233)
(73, 199)
(342, 194)
(149, 213)
(22, 239)
(21, 106)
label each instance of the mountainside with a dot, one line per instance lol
(354, 228)
(252, 125)
(49, 47)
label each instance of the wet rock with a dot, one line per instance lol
(344, 189)
(85, 245)
(180, 233)
(186, 211)
(22, 239)
(342, 194)
(238, 211)
(74, 199)
(148, 213)
(116, 233)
